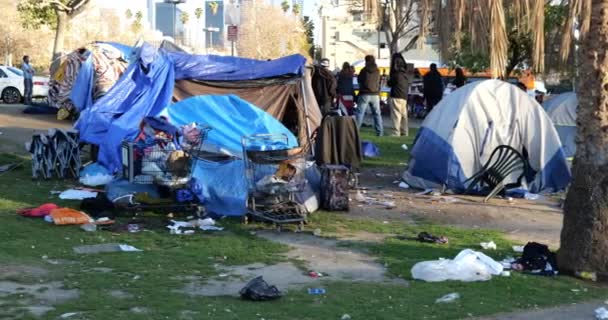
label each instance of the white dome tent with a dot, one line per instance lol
(562, 111)
(459, 135)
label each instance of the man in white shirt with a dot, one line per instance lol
(28, 75)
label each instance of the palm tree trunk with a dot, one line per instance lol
(62, 21)
(584, 237)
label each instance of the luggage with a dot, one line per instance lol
(334, 187)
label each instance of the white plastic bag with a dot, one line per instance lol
(467, 266)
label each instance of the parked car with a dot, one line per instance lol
(11, 85)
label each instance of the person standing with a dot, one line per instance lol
(399, 81)
(324, 86)
(460, 79)
(433, 87)
(369, 94)
(28, 75)
(346, 90)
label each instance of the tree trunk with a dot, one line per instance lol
(62, 22)
(584, 237)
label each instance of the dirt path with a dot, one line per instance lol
(310, 253)
(17, 128)
(521, 220)
(568, 312)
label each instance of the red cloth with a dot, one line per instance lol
(41, 211)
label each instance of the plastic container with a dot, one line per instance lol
(316, 291)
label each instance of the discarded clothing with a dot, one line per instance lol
(467, 266)
(63, 216)
(537, 259)
(41, 211)
(98, 207)
(429, 238)
(338, 142)
(74, 194)
(259, 290)
(370, 150)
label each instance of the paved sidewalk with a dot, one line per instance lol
(567, 312)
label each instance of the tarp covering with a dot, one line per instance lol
(226, 68)
(458, 136)
(146, 88)
(223, 185)
(562, 111)
(290, 101)
(87, 74)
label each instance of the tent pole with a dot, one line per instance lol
(308, 133)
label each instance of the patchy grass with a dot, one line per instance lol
(391, 153)
(153, 276)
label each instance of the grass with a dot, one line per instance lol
(155, 276)
(391, 152)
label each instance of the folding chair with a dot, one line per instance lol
(503, 162)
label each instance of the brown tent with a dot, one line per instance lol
(289, 99)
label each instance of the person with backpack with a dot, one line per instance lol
(369, 94)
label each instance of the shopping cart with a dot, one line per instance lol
(275, 174)
(167, 163)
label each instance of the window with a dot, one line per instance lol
(2, 74)
(15, 71)
(357, 16)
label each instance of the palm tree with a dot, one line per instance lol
(296, 9)
(129, 14)
(184, 17)
(198, 13)
(285, 6)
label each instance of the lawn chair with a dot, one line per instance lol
(503, 162)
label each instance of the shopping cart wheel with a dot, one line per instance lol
(246, 219)
(278, 227)
(300, 227)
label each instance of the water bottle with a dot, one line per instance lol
(316, 291)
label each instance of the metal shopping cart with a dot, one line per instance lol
(274, 175)
(167, 163)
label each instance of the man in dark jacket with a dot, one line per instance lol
(324, 86)
(399, 82)
(433, 87)
(369, 94)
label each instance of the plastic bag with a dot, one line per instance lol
(467, 266)
(259, 290)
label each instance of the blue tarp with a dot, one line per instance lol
(223, 185)
(145, 91)
(82, 90)
(226, 68)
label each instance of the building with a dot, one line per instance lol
(347, 35)
(167, 20)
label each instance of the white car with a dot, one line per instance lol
(11, 85)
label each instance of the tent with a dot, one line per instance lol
(562, 111)
(87, 74)
(281, 87)
(222, 185)
(458, 136)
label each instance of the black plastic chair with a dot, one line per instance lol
(503, 162)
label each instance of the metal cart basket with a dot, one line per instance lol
(274, 175)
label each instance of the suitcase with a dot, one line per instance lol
(334, 187)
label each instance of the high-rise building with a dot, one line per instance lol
(167, 19)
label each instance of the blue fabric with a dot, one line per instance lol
(145, 91)
(555, 175)
(124, 49)
(372, 101)
(227, 68)
(223, 187)
(94, 170)
(370, 150)
(117, 115)
(82, 90)
(567, 134)
(435, 160)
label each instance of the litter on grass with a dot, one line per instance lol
(488, 245)
(519, 249)
(467, 266)
(74, 194)
(106, 247)
(404, 185)
(448, 298)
